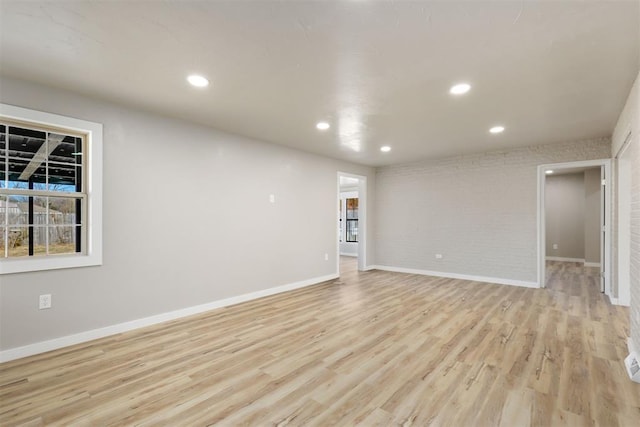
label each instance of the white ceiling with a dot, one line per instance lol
(378, 72)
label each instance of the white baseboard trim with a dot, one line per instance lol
(591, 264)
(348, 254)
(483, 279)
(56, 343)
(563, 259)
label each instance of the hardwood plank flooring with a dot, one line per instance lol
(371, 348)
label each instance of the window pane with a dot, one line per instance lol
(352, 230)
(10, 209)
(3, 243)
(64, 149)
(64, 211)
(16, 169)
(64, 177)
(27, 156)
(352, 208)
(18, 241)
(24, 141)
(62, 240)
(39, 240)
(65, 163)
(3, 139)
(4, 206)
(39, 209)
(3, 175)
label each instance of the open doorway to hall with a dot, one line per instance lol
(351, 222)
(573, 232)
(572, 213)
(348, 223)
(574, 223)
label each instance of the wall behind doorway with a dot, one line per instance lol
(572, 216)
(592, 233)
(564, 216)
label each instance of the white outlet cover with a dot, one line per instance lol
(44, 301)
(272, 198)
(633, 367)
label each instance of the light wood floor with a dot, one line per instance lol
(374, 348)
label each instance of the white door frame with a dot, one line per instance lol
(623, 186)
(362, 220)
(606, 266)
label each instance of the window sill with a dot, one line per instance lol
(51, 262)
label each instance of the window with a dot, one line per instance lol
(50, 191)
(352, 220)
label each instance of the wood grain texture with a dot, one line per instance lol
(371, 348)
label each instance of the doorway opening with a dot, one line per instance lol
(351, 220)
(574, 209)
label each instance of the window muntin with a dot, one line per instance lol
(42, 197)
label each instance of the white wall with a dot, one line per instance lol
(187, 221)
(479, 211)
(629, 122)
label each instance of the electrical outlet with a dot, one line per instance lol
(555, 246)
(44, 301)
(326, 257)
(272, 198)
(438, 256)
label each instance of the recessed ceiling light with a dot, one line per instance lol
(460, 88)
(323, 125)
(197, 81)
(497, 129)
(385, 148)
(549, 172)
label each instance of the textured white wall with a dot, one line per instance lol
(187, 221)
(629, 121)
(565, 215)
(479, 211)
